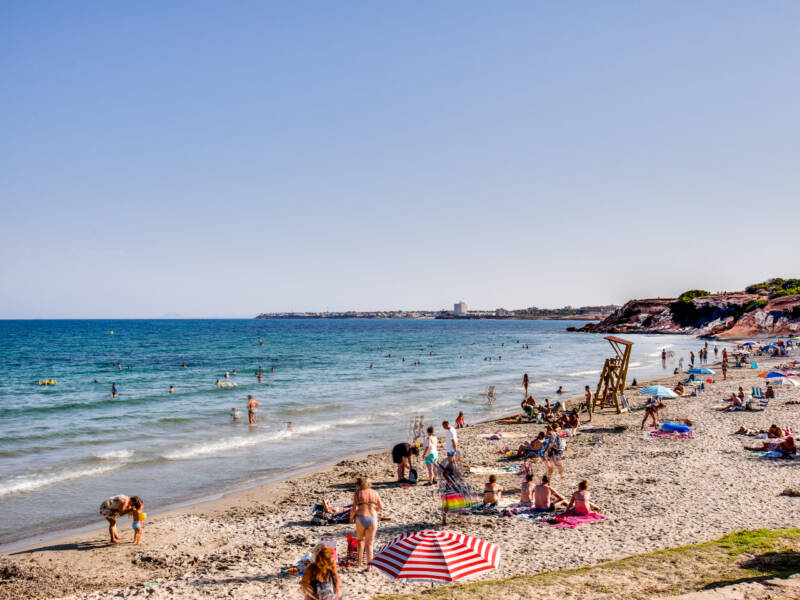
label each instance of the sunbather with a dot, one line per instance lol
(545, 498)
(770, 393)
(526, 497)
(532, 449)
(580, 503)
(492, 492)
(786, 446)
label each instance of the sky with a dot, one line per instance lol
(209, 159)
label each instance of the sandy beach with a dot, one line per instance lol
(657, 493)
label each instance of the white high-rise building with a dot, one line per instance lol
(460, 308)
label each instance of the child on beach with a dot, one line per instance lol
(460, 420)
(138, 517)
(580, 503)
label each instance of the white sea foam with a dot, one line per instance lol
(27, 483)
(584, 373)
(114, 454)
(236, 443)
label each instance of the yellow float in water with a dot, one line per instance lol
(47, 382)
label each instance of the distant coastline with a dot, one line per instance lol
(567, 313)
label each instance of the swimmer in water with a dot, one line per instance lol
(259, 376)
(234, 371)
(371, 366)
(560, 390)
(234, 414)
(289, 426)
(272, 370)
(184, 365)
(218, 383)
(227, 375)
(171, 389)
(260, 342)
(96, 381)
(114, 390)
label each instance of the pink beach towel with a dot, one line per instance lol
(571, 520)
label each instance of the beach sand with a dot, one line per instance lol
(657, 493)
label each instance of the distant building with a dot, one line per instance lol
(460, 308)
(501, 312)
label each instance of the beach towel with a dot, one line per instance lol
(500, 435)
(320, 517)
(535, 516)
(571, 520)
(670, 435)
(769, 454)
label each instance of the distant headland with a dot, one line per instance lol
(582, 313)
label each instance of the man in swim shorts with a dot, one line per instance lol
(252, 406)
(545, 498)
(401, 456)
(450, 441)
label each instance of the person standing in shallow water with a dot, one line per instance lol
(252, 406)
(525, 383)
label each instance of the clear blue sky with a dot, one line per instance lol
(223, 159)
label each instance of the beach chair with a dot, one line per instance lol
(763, 403)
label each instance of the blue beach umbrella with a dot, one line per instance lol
(749, 344)
(770, 347)
(658, 391)
(700, 371)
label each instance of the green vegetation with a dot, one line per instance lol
(738, 557)
(775, 288)
(760, 303)
(692, 294)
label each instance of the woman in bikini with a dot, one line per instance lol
(580, 503)
(364, 513)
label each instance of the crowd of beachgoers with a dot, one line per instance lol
(707, 449)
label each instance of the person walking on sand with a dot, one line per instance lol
(450, 441)
(555, 452)
(320, 580)
(430, 452)
(252, 407)
(364, 513)
(587, 395)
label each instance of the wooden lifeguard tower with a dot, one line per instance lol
(611, 386)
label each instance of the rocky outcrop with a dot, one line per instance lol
(727, 316)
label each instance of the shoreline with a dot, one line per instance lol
(224, 532)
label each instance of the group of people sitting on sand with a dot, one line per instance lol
(542, 497)
(777, 439)
(551, 414)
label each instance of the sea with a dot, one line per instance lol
(330, 388)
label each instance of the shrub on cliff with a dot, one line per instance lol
(691, 294)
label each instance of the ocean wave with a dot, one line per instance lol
(584, 373)
(27, 483)
(114, 454)
(237, 443)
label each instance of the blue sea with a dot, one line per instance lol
(64, 448)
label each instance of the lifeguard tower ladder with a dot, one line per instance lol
(611, 386)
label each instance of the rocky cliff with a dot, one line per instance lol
(771, 308)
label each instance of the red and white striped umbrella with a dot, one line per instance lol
(443, 555)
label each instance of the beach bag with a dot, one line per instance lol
(413, 477)
(351, 557)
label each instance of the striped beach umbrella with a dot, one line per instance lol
(442, 555)
(658, 391)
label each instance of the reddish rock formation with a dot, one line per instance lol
(727, 316)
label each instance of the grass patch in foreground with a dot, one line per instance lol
(739, 556)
